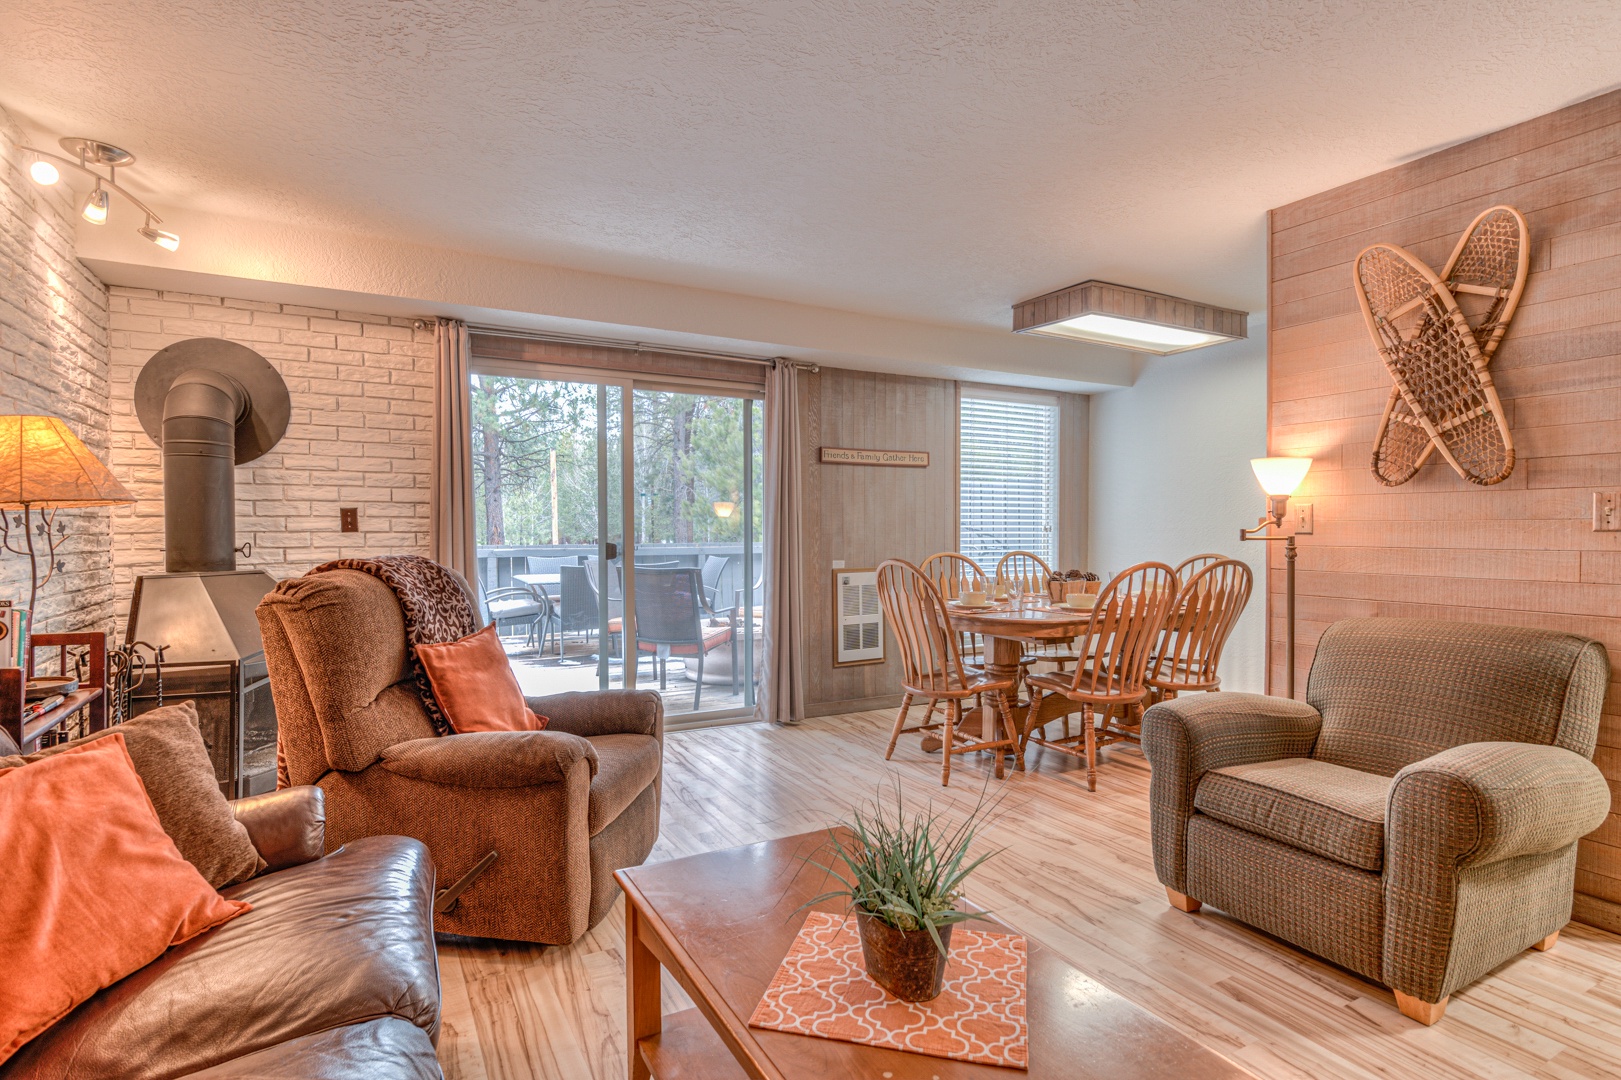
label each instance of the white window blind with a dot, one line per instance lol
(1008, 499)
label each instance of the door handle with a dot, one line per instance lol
(611, 550)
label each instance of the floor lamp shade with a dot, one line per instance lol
(44, 464)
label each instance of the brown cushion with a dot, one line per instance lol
(1325, 809)
(174, 766)
(626, 764)
(474, 684)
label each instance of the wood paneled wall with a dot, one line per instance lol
(1522, 552)
(865, 514)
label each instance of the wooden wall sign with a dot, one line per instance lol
(903, 459)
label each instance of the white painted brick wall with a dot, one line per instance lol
(54, 362)
(361, 433)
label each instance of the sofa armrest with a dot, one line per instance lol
(1483, 802)
(287, 827)
(491, 759)
(602, 712)
(1184, 738)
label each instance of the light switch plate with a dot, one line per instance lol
(1607, 511)
(838, 564)
(1303, 518)
(349, 519)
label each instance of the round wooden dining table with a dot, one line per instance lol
(1005, 630)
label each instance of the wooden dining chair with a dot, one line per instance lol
(1109, 689)
(932, 667)
(1207, 608)
(1194, 563)
(952, 574)
(1032, 574)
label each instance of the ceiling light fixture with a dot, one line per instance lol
(94, 209)
(1127, 318)
(166, 240)
(88, 156)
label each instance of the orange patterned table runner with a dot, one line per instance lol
(822, 989)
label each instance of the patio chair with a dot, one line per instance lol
(670, 622)
(714, 569)
(579, 609)
(520, 604)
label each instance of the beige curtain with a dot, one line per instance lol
(451, 539)
(782, 685)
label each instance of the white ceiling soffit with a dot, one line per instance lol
(928, 162)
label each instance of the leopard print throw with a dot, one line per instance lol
(436, 606)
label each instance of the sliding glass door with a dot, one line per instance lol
(580, 601)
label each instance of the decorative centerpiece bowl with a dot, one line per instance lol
(902, 875)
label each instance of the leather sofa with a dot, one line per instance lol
(562, 809)
(333, 974)
(1415, 819)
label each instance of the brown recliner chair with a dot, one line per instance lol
(561, 808)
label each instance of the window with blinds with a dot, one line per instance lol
(1008, 495)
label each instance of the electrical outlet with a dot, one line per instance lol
(838, 564)
(349, 519)
(1303, 519)
(1607, 511)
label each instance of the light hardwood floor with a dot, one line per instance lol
(1077, 874)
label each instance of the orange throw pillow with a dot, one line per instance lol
(95, 889)
(475, 686)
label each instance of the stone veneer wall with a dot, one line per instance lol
(53, 361)
(361, 432)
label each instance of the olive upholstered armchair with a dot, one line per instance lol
(562, 808)
(1415, 819)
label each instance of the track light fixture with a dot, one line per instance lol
(95, 206)
(166, 240)
(88, 156)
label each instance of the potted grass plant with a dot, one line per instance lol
(903, 875)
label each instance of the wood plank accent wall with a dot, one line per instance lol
(1522, 552)
(864, 516)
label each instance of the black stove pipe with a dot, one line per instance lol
(200, 414)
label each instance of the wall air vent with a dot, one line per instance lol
(858, 636)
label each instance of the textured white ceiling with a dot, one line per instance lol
(928, 159)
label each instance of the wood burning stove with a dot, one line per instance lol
(212, 654)
(211, 405)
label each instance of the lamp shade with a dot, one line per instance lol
(44, 464)
(1280, 475)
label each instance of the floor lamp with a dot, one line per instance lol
(1279, 477)
(43, 467)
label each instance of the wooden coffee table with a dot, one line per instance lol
(722, 922)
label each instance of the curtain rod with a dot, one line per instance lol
(630, 346)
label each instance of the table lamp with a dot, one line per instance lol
(1279, 478)
(44, 467)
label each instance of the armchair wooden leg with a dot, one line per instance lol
(1424, 1012)
(1182, 901)
(1547, 943)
